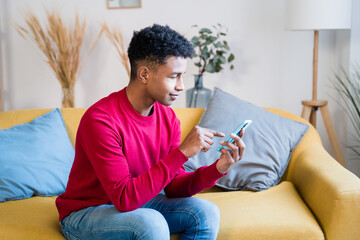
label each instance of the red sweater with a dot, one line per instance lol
(126, 159)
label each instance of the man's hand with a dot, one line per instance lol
(231, 155)
(199, 139)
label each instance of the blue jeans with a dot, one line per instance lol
(195, 218)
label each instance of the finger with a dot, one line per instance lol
(225, 152)
(240, 144)
(213, 133)
(241, 134)
(208, 140)
(241, 149)
(205, 147)
(235, 137)
(208, 134)
(234, 149)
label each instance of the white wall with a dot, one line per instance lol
(353, 163)
(273, 67)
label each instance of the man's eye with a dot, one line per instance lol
(174, 77)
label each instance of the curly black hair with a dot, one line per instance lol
(154, 44)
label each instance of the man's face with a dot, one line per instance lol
(166, 81)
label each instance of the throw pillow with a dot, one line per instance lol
(269, 141)
(35, 158)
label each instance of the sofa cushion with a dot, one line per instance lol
(36, 158)
(269, 142)
(277, 213)
(31, 218)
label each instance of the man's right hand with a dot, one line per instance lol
(199, 139)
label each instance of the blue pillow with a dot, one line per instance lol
(269, 140)
(35, 158)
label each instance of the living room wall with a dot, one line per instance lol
(273, 67)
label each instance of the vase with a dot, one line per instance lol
(198, 96)
(68, 98)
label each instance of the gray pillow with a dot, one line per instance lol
(269, 140)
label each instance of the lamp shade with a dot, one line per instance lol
(317, 14)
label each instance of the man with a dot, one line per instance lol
(128, 150)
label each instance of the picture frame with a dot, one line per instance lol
(117, 4)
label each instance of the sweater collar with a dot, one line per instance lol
(144, 120)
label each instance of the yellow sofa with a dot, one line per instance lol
(316, 199)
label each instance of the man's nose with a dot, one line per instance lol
(180, 84)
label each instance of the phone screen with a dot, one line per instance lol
(237, 131)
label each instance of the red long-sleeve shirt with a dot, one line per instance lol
(126, 159)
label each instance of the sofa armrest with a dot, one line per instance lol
(331, 191)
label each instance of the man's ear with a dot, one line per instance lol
(143, 73)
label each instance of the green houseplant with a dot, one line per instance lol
(211, 53)
(348, 87)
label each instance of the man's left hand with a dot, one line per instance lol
(233, 154)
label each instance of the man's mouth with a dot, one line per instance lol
(174, 96)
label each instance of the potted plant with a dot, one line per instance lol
(212, 52)
(348, 86)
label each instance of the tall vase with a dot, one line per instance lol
(68, 98)
(198, 96)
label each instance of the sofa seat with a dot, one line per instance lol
(31, 218)
(279, 213)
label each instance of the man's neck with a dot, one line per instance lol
(137, 96)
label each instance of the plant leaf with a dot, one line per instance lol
(205, 53)
(218, 45)
(231, 58)
(348, 87)
(222, 59)
(219, 52)
(210, 67)
(195, 39)
(205, 30)
(218, 68)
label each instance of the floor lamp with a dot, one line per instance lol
(318, 15)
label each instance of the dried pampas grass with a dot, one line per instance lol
(61, 46)
(116, 39)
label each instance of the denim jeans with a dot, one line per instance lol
(195, 218)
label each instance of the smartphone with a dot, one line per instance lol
(237, 131)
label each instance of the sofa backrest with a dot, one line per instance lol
(71, 117)
(189, 117)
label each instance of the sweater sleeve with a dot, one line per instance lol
(103, 146)
(186, 184)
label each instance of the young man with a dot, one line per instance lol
(128, 150)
